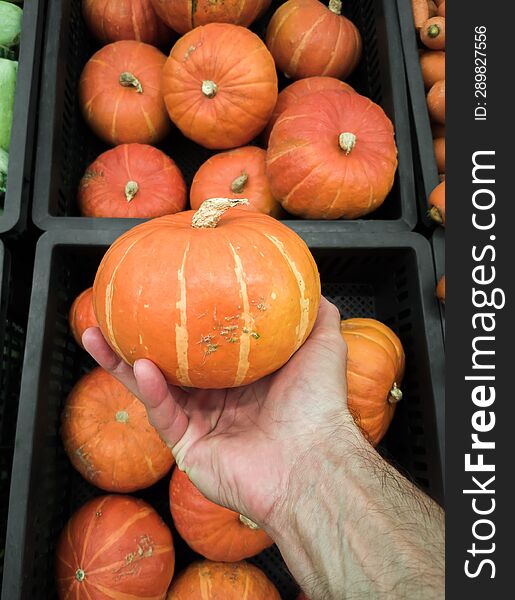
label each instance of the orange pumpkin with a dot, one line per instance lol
(437, 204)
(432, 33)
(239, 173)
(212, 530)
(184, 15)
(307, 38)
(439, 148)
(114, 547)
(107, 436)
(420, 12)
(120, 93)
(132, 180)
(298, 90)
(436, 102)
(432, 64)
(82, 315)
(375, 368)
(207, 297)
(220, 85)
(206, 580)
(332, 155)
(440, 289)
(114, 20)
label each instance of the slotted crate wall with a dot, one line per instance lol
(367, 278)
(66, 146)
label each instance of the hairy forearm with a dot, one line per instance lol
(352, 527)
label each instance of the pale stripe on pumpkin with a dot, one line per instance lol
(243, 362)
(297, 55)
(205, 585)
(181, 331)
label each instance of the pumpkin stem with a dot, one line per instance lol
(335, 6)
(80, 575)
(122, 416)
(395, 394)
(212, 210)
(131, 189)
(129, 80)
(435, 215)
(433, 31)
(248, 523)
(209, 88)
(238, 185)
(347, 142)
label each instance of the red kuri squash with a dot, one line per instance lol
(206, 580)
(332, 155)
(375, 368)
(114, 547)
(132, 180)
(307, 38)
(183, 15)
(82, 315)
(120, 93)
(212, 530)
(214, 302)
(239, 173)
(115, 20)
(220, 85)
(107, 436)
(298, 90)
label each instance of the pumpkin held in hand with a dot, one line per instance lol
(114, 547)
(239, 173)
(332, 155)
(212, 530)
(375, 368)
(114, 20)
(82, 315)
(215, 301)
(133, 181)
(298, 90)
(307, 38)
(206, 580)
(120, 93)
(107, 436)
(220, 85)
(183, 15)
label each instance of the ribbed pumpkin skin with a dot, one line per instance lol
(119, 114)
(161, 189)
(213, 308)
(211, 530)
(216, 179)
(307, 39)
(82, 315)
(298, 90)
(312, 176)
(184, 15)
(375, 361)
(122, 546)
(238, 62)
(107, 436)
(114, 20)
(208, 580)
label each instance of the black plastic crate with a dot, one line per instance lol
(66, 146)
(426, 171)
(438, 244)
(15, 207)
(369, 277)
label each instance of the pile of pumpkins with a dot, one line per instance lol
(326, 151)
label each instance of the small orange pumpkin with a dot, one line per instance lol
(206, 580)
(184, 15)
(239, 173)
(436, 102)
(215, 532)
(375, 368)
(82, 315)
(432, 64)
(114, 547)
(114, 20)
(440, 289)
(107, 436)
(432, 33)
(332, 155)
(439, 148)
(420, 12)
(437, 204)
(120, 93)
(298, 90)
(307, 38)
(133, 181)
(220, 85)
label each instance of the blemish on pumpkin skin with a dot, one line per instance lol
(144, 549)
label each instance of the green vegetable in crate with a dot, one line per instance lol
(4, 165)
(10, 24)
(8, 69)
